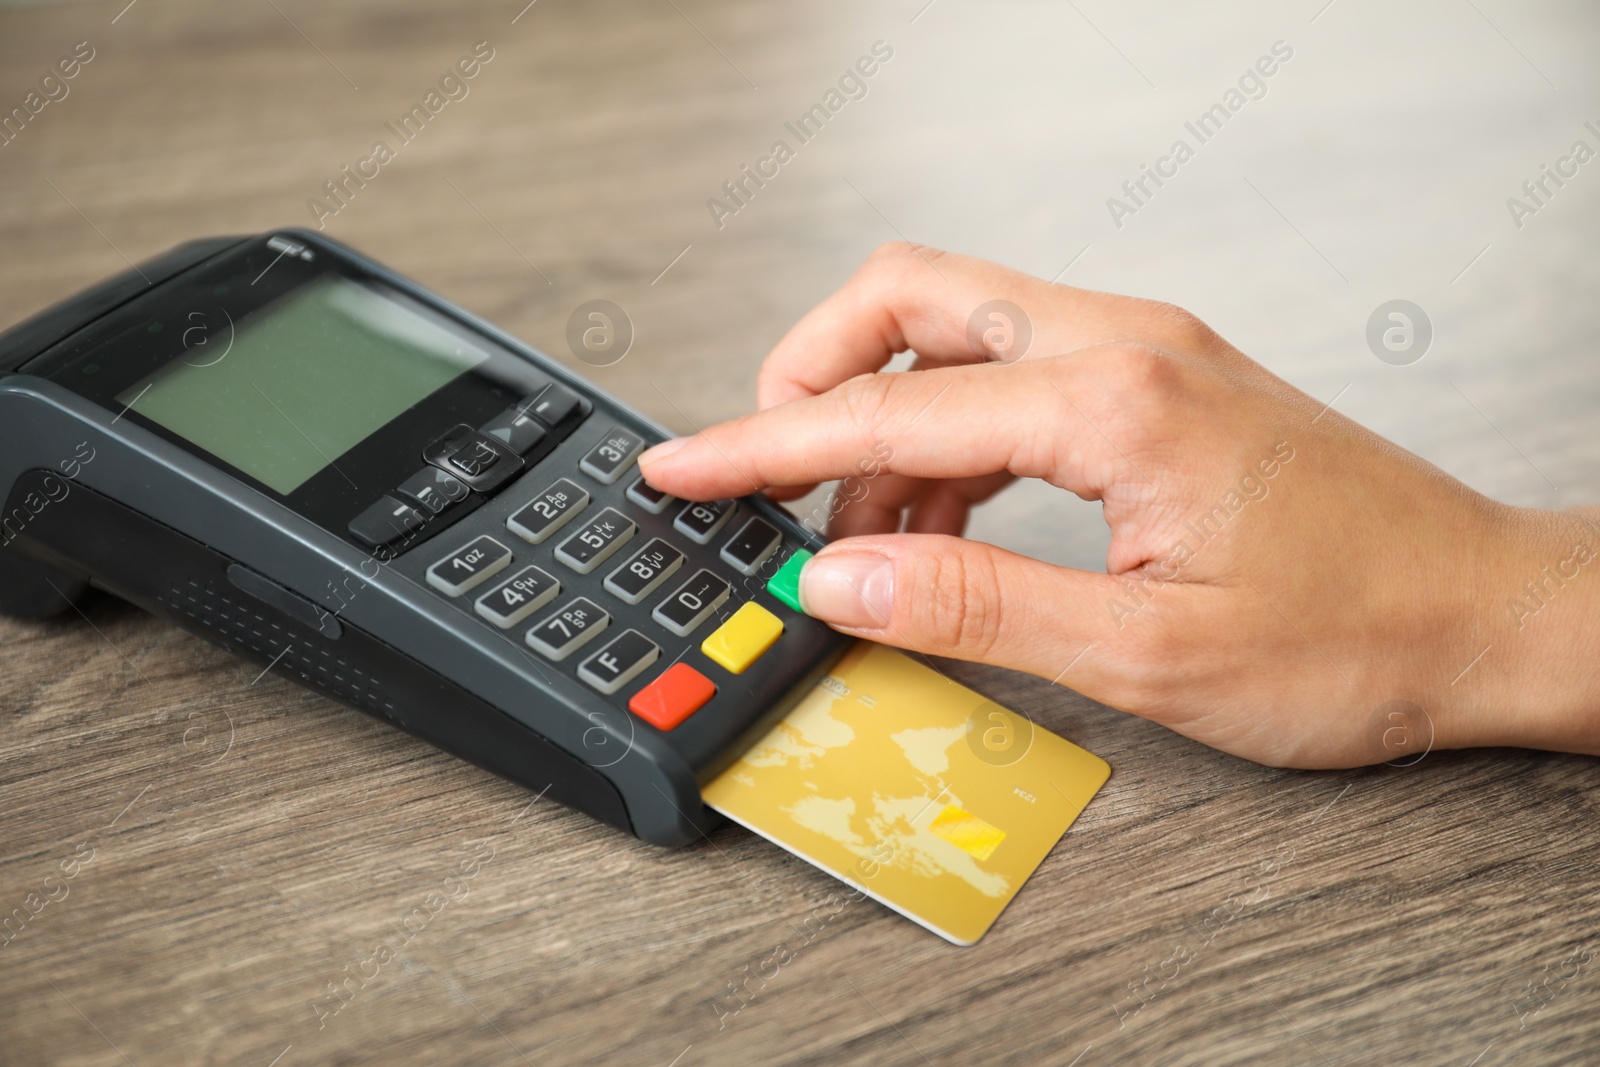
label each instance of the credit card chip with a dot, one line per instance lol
(967, 832)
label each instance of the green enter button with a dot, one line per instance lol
(785, 585)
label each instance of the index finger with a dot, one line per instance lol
(893, 423)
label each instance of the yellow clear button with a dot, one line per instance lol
(741, 640)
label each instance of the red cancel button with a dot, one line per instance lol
(677, 694)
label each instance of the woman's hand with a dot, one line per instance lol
(1277, 576)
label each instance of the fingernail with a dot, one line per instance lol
(853, 589)
(663, 450)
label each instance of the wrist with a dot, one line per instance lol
(1532, 617)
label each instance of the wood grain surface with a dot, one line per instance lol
(239, 849)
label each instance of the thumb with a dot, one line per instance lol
(948, 596)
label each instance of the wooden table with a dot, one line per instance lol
(238, 845)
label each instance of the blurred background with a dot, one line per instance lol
(1376, 165)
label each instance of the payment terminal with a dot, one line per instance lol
(323, 468)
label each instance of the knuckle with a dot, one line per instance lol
(1178, 328)
(1139, 372)
(868, 400)
(771, 378)
(958, 603)
(885, 268)
(893, 263)
(890, 250)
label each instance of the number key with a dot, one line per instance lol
(650, 566)
(597, 542)
(549, 511)
(469, 567)
(577, 622)
(606, 462)
(695, 599)
(518, 597)
(647, 496)
(700, 522)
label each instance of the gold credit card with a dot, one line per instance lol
(913, 789)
